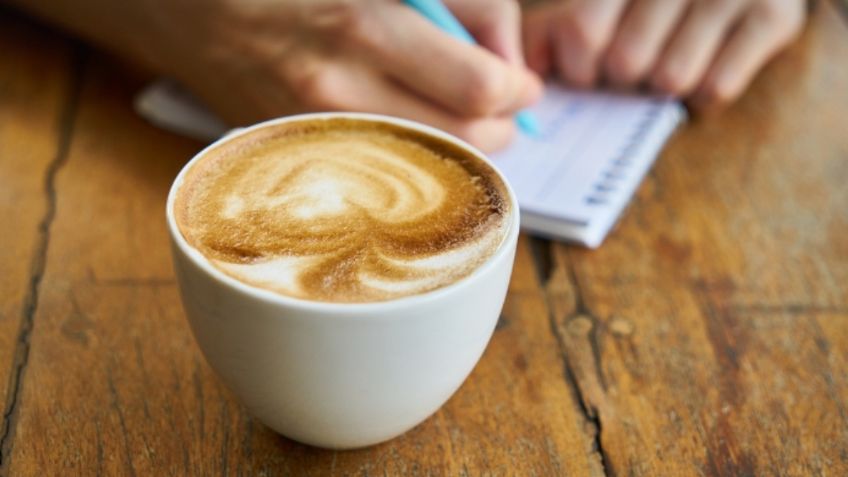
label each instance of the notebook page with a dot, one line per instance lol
(584, 164)
(631, 164)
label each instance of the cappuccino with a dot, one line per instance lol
(343, 210)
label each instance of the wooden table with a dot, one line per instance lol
(708, 336)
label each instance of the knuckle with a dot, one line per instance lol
(317, 88)
(347, 20)
(483, 92)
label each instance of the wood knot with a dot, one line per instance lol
(580, 325)
(621, 327)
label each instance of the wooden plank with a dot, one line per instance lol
(709, 335)
(115, 384)
(35, 85)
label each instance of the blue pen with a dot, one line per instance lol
(438, 13)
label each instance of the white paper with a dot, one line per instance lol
(593, 151)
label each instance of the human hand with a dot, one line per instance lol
(706, 50)
(251, 60)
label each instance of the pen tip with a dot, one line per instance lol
(528, 124)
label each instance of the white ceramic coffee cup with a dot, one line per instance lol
(341, 375)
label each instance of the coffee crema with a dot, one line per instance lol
(343, 210)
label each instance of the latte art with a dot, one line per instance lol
(343, 210)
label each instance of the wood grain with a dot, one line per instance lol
(115, 384)
(36, 80)
(708, 336)
(708, 333)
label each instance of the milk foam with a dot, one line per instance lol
(343, 210)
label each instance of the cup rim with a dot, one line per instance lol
(266, 295)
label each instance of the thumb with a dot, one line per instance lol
(495, 24)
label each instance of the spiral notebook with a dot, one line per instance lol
(572, 181)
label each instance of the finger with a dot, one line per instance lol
(755, 41)
(537, 40)
(693, 46)
(495, 24)
(466, 79)
(582, 30)
(353, 87)
(644, 28)
(489, 134)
